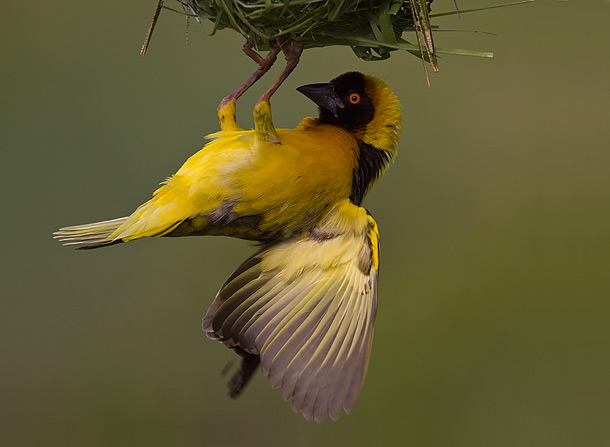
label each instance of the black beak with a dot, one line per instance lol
(323, 95)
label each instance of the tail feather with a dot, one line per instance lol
(91, 235)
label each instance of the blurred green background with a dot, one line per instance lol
(493, 316)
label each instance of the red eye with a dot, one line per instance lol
(354, 98)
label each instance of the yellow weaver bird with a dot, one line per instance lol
(304, 304)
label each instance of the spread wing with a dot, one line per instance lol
(306, 306)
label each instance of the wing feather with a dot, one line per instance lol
(257, 329)
(292, 315)
(306, 306)
(318, 404)
(314, 389)
(294, 340)
(355, 363)
(293, 373)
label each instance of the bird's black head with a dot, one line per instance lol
(344, 101)
(367, 108)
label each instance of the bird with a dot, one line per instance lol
(303, 305)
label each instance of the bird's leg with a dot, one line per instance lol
(263, 67)
(292, 51)
(226, 109)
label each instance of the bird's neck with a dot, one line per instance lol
(372, 162)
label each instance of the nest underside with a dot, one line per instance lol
(371, 28)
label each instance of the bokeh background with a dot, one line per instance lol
(494, 302)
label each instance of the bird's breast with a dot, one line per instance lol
(237, 186)
(294, 183)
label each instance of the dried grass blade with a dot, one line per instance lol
(451, 13)
(151, 28)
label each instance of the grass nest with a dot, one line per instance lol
(315, 23)
(372, 29)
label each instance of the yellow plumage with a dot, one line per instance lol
(304, 304)
(236, 180)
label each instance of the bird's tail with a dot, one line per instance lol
(93, 235)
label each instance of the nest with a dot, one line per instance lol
(370, 28)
